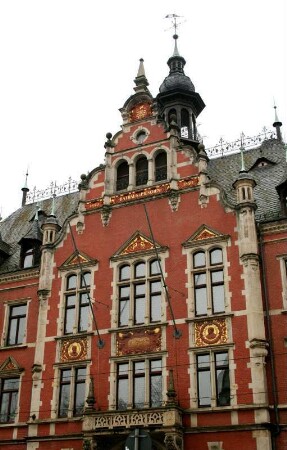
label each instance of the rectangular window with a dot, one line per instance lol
(9, 388)
(139, 384)
(213, 379)
(16, 324)
(77, 305)
(139, 293)
(72, 391)
(208, 282)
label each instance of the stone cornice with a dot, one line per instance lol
(19, 275)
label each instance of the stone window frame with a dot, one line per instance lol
(131, 161)
(229, 348)
(191, 249)
(64, 274)
(55, 403)
(283, 271)
(11, 373)
(116, 264)
(6, 323)
(131, 360)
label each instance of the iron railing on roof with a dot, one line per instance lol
(226, 148)
(37, 195)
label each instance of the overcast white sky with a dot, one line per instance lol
(67, 67)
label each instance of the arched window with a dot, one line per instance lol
(77, 306)
(160, 166)
(184, 123)
(122, 176)
(170, 113)
(141, 171)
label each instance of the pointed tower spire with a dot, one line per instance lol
(25, 190)
(277, 125)
(141, 80)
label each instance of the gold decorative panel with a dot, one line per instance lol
(139, 243)
(138, 341)
(210, 332)
(74, 349)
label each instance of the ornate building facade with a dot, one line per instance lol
(147, 310)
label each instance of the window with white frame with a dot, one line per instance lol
(139, 384)
(208, 281)
(77, 305)
(9, 390)
(72, 391)
(16, 324)
(139, 293)
(213, 383)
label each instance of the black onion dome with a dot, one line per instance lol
(176, 78)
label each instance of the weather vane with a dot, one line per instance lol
(174, 22)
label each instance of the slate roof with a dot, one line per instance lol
(223, 171)
(19, 224)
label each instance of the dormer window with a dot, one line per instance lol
(122, 176)
(30, 255)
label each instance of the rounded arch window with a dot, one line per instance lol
(71, 281)
(160, 163)
(125, 272)
(122, 176)
(216, 256)
(141, 171)
(171, 112)
(86, 279)
(140, 269)
(154, 267)
(199, 259)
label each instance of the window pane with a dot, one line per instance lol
(86, 280)
(139, 309)
(72, 282)
(222, 379)
(84, 299)
(81, 373)
(216, 256)
(125, 273)
(217, 277)
(204, 388)
(83, 318)
(155, 286)
(69, 320)
(79, 399)
(200, 301)
(70, 300)
(12, 332)
(199, 259)
(19, 310)
(139, 384)
(203, 361)
(155, 308)
(124, 306)
(124, 291)
(4, 411)
(218, 298)
(200, 279)
(156, 390)
(28, 260)
(122, 394)
(64, 400)
(21, 330)
(154, 268)
(140, 289)
(140, 270)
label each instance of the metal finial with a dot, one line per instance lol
(242, 136)
(26, 179)
(175, 26)
(53, 206)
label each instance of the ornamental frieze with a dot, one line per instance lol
(210, 332)
(74, 349)
(138, 341)
(188, 182)
(138, 195)
(94, 204)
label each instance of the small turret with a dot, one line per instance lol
(50, 227)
